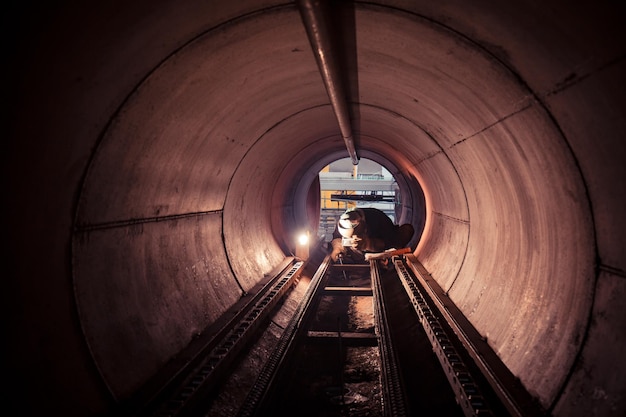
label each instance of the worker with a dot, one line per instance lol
(362, 230)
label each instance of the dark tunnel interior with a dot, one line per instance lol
(161, 157)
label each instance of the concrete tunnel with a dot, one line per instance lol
(162, 155)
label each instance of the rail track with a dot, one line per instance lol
(336, 355)
(366, 339)
(307, 374)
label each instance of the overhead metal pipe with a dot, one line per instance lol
(319, 31)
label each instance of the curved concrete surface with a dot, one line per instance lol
(161, 158)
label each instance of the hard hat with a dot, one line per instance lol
(347, 222)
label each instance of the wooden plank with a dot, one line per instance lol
(348, 290)
(344, 335)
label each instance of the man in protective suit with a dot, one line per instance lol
(362, 230)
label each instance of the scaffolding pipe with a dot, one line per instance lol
(318, 30)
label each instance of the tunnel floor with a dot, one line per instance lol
(318, 373)
(329, 378)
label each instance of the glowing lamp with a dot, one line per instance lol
(302, 248)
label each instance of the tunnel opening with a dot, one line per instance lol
(344, 186)
(319, 193)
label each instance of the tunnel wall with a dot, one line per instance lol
(136, 315)
(488, 194)
(541, 268)
(141, 139)
(187, 195)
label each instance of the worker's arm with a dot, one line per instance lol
(337, 249)
(369, 244)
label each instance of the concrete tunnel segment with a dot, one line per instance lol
(188, 178)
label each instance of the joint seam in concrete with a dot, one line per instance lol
(612, 270)
(132, 222)
(572, 79)
(278, 325)
(456, 219)
(427, 157)
(500, 120)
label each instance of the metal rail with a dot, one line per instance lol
(260, 391)
(204, 375)
(394, 403)
(512, 395)
(467, 392)
(262, 394)
(468, 379)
